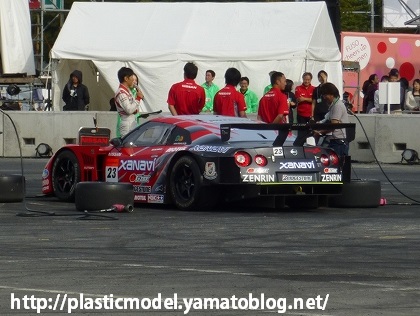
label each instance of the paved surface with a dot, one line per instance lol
(367, 260)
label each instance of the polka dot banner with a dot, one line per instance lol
(378, 53)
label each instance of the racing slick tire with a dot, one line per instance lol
(95, 196)
(65, 175)
(12, 188)
(358, 194)
(185, 183)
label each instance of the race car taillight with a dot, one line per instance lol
(260, 160)
(324, 160)
(330, 159)
(334, 158)
(242, 159)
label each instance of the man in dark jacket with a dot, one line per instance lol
(75, 94)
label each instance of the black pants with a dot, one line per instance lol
(340, 146)
(302, 134)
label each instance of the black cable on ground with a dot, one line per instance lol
(382, 170)
(36, 213)
(83, 216)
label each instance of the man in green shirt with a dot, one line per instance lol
(210, 88)
(268, 88)
(251, 98)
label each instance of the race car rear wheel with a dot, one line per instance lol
(65, 175)
(94, 196)
(358, 193)
(185, 184)
(12, 188)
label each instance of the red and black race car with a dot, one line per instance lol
(197, 161)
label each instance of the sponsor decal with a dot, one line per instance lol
(138, 165)
(140, 197)
(278, 151)
(175, 149)
(45, 182)
(295, 178)
(45, 188)
(331, 177)
(159, 189)
(142, 189)
(297, 165)
(179, 138)
(157, 149)
(115, 154)
(139, 178)
(330, 170)
(294, 152)
(45, 174)
(210, 149)
(189, 86)
(257, 170)
(155, 198)
(210, 171)
(258, 178)
(88, 168)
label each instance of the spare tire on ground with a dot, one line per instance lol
(12, 188)
(94, 196)
(358, 193)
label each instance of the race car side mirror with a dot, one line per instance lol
(116, 142)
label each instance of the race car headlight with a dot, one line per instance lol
(260, 160)
(242, 159)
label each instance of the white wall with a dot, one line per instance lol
(388, 135)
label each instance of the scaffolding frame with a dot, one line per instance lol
(353, 66)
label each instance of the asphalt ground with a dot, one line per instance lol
(365, 261)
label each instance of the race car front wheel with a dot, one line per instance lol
(185, 184)
(65, 175)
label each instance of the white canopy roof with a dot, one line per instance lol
(157, 39)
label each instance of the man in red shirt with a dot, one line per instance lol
(187, 97)
(228, 101)
(273, 107)
(304, 94)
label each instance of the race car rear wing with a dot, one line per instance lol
(284, 129)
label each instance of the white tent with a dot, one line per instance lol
(157, 39)
(16, 48)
